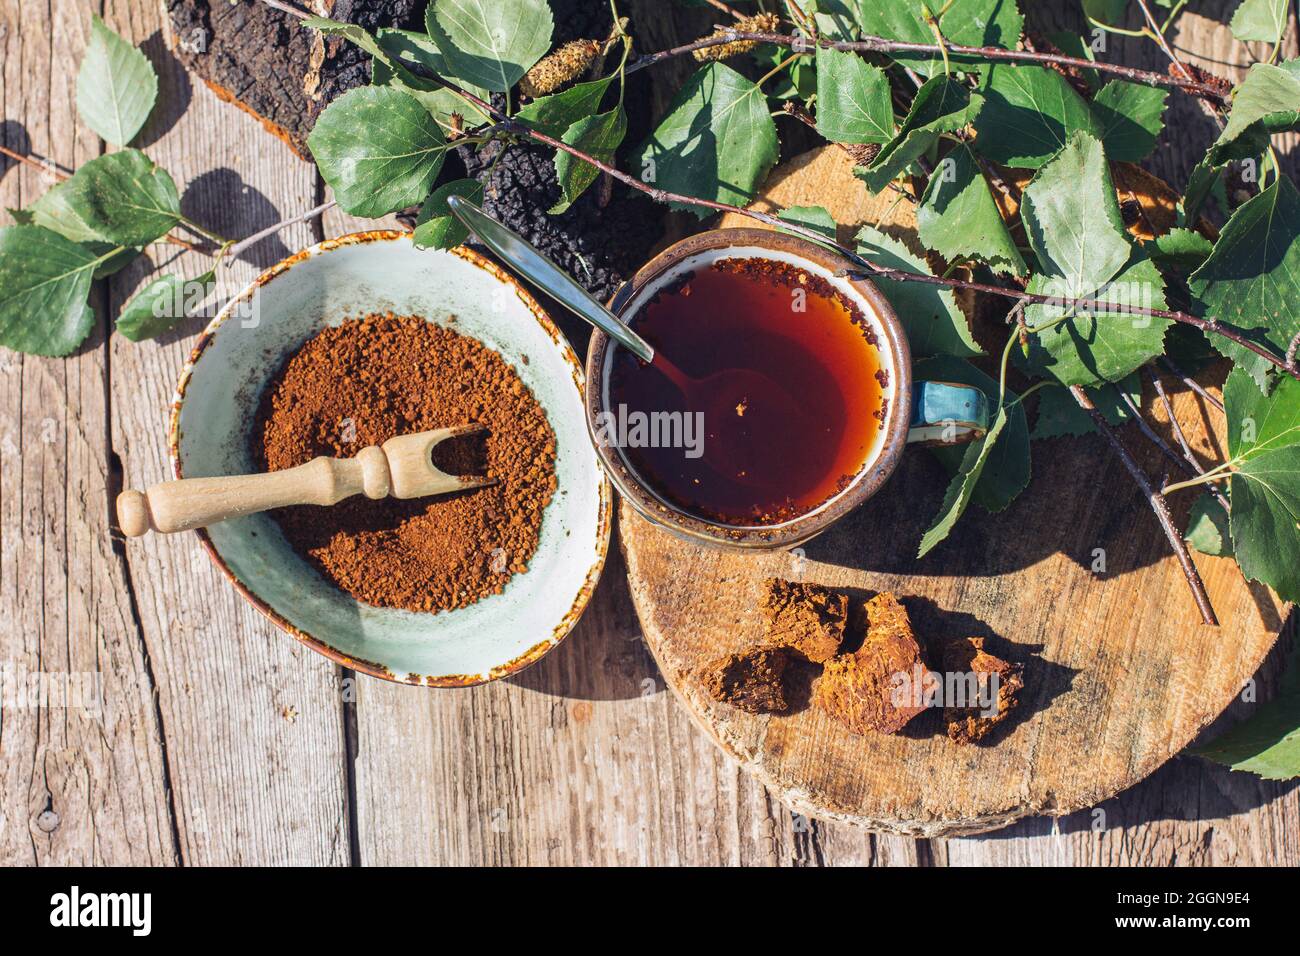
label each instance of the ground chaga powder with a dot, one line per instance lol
(366, 381)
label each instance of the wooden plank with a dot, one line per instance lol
(582, 759)
(253, 719)
(82, 781)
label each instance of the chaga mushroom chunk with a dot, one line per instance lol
(966, 656)
(806, 617)
(751, 681)
(876, 688)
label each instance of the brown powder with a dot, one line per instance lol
(367, 381)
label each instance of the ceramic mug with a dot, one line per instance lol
(920, 412)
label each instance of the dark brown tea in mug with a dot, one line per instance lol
(786, 397)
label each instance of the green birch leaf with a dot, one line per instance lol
(930, 315)
(379, 149)
(1201, 183)
(1072, 219)
(1268, 742)
(1263, 20)
(554, 114)
(942, 105)
(116, 86)
(1180, 248)
(1257, 420)
(1110, 12)
(1029, 114)
(54, 212)
(1265, 520)
(401, 46)
(963, 23)
(717, 142)
(1131, 117)
(1267, 101)
(811, 217)
(1207, 527)
(835, 19)
(162, 304)
(853, 100)
(962, 487)
(598, 136)
(1059, 414)
(490, 43)
(958, 218)
(1252, 279)
(1006, 469)
(44, 284)
(1094, 345)
(436, 227)
(123, 198)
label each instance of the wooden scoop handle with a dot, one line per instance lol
(197, 502)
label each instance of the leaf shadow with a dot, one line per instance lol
(1187, 788)
(221, 201)
(13, 135)
(175, 91)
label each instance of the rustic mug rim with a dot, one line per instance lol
(804, 527)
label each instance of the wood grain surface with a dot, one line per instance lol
(1075, 581)
(221, 740)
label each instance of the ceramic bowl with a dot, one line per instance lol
(215, 408)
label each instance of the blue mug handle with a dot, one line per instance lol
(947, 413)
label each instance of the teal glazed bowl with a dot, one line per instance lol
(215, 409)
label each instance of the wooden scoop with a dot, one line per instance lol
(401, 467)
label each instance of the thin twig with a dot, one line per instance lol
(288, 8)
(1205, 325)
(1177, 428)
(875, 44)
(1158, 34)
(234, 251)
(800, 18)
(506, 124)
(1150, 433)
(719, 5)
(1158, 505)
(1190, 382)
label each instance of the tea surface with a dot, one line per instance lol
(751, 459)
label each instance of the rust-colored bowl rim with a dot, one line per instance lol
(360, 665)
(804, 527)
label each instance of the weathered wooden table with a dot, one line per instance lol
(222, 741)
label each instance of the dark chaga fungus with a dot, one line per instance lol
(598, 243)
(264, 62)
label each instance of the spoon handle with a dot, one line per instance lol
(532, 265)
(198, 502)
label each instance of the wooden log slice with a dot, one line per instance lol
(1075, 581)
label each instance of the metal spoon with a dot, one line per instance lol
(519, 253)
(725, 396)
